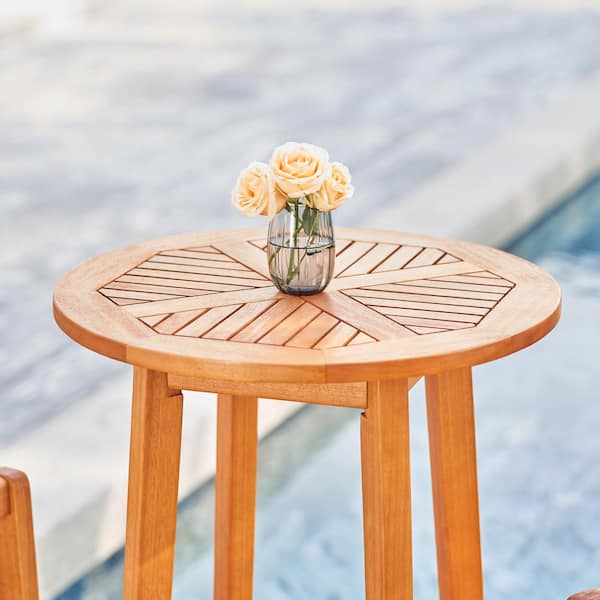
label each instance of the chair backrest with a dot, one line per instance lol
(587, 595)
(18, 573)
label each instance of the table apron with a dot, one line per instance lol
(350, 395)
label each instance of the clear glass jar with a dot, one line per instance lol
(301, 249)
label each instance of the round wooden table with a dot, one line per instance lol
(199, 312)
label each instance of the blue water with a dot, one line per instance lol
(538, 417)
(572, 229)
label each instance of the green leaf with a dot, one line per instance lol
(312, 214)
(306, 221)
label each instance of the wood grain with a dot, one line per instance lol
(18, 572)
(361, 257)
(402, 305)
(207, 320)
(426, 306)
(351, 254)
(153, 478)
(313, 332)
(172, 324)
(429, 256)
(351, 395)
(398, 276)
(4, 498)
(278, 321)
(259, 327)
(246, 315)
(181, 273)
(392, 292)
(386, 491)
(452, 446)
(235, 496)
(370, 260)
(349, 312)
(401, 257)
(291, 325)
(247, 254)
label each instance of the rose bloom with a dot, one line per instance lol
(255, 192)
(299, 169)
(335, 189)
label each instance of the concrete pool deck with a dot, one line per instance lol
(76, 452)
(499, 193)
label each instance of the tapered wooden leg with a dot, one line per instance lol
(235, 496)
(386, 491)
(18, 574)
(153, 479)
(451, 421)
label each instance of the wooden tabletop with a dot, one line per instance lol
(399, 305)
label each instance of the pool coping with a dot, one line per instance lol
(522, 175)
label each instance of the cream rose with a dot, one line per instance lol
(255, 192)
(299, 169)
(335, 189)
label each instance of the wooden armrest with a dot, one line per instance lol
(17, 550)
(587, 595)
(4, 499)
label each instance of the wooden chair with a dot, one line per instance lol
(18, 573)
(587, 595)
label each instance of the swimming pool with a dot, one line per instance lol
(539, 454)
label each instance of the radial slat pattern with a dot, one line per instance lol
(182, 273)
(286, 321)
(436, 304)
(207, 292)
(362, 258)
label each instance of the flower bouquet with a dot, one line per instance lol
(297, 190)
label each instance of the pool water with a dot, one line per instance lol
(538, 417)
(571, 230)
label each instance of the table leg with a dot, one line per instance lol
(451, 421)
(235, 496)
(153, 479)
(386, 491)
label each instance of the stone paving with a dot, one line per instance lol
(134, 120)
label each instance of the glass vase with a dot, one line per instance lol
(301, 249)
